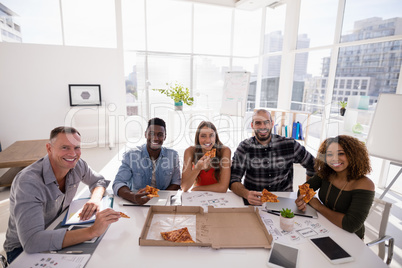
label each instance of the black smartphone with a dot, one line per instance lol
(331, 250)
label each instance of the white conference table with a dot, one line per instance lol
(120, 248)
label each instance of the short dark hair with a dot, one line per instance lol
(56, 131)
(156, 121)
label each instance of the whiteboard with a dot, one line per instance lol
(385, 136)
(235, 92)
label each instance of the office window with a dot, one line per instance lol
(274, 28)
(135, 82)
(209, 74)
(309, 78)
(380, 71)
(271, 68)
(342, 84)
(133, 18)
(212, 35)
(164, 69)
(317, 22)
(39, 23)
(84, 27)
(366, 21)
(169, 26)
(248, 65)
(349, 84)
(247, 31)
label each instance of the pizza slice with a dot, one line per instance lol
(152, 191)
(267, 196)
(174, 235)
(185, 237)
(123, 215)
(307, 192)
(211, 153)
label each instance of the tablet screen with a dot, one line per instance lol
(283, 255)
(330, 248)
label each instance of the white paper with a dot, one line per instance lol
(303, 228)
(218, 200)
(76, 207)
(51, 260)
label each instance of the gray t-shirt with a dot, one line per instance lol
(36, 201)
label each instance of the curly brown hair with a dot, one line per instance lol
(356, 153)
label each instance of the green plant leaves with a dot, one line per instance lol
(287, 213)
(177, 92)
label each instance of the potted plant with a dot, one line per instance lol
(343, 107)
(178, 93)
(287, 219)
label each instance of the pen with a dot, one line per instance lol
(66, 252)
(273, 212)
(134, 205)
(307, 216)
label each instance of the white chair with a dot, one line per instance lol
(376, 226)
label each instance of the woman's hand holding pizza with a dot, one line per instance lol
(301, 205)
(203, 163)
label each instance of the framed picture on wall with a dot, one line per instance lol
(85, 95)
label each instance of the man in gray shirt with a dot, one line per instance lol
(41, 192)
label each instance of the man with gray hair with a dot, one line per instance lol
(266, 161)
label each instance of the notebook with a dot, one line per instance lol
(285, 202)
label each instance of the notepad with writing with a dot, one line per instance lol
(75, 208)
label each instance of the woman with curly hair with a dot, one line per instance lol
(346, 194)
(202, 172)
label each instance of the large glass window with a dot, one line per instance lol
(133, 17)
(209, 73)
(248, 65)
(317, 22)
(274, 28)
(35, 22)
(84, 27)
(271, 69)
(169, 26)
(379, 76)
(363, 20)
(247, 31)
(310, 85)
(212, 35)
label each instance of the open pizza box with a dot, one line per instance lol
(219, 228)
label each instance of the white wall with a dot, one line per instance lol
(34, 83)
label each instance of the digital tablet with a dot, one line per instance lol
(283, 256)
(331, 250)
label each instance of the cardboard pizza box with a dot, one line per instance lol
(219, 228)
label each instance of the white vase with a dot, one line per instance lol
(287, 224)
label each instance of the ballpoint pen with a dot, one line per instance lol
(66, 252)
(273, 212)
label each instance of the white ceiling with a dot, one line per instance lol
(242, 4)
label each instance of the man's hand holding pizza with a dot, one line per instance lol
(254, 198)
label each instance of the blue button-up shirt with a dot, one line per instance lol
(135, 171)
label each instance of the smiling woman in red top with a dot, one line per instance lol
(204, 173)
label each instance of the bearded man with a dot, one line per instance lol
(266, 161)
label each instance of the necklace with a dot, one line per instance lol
(336, 200)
